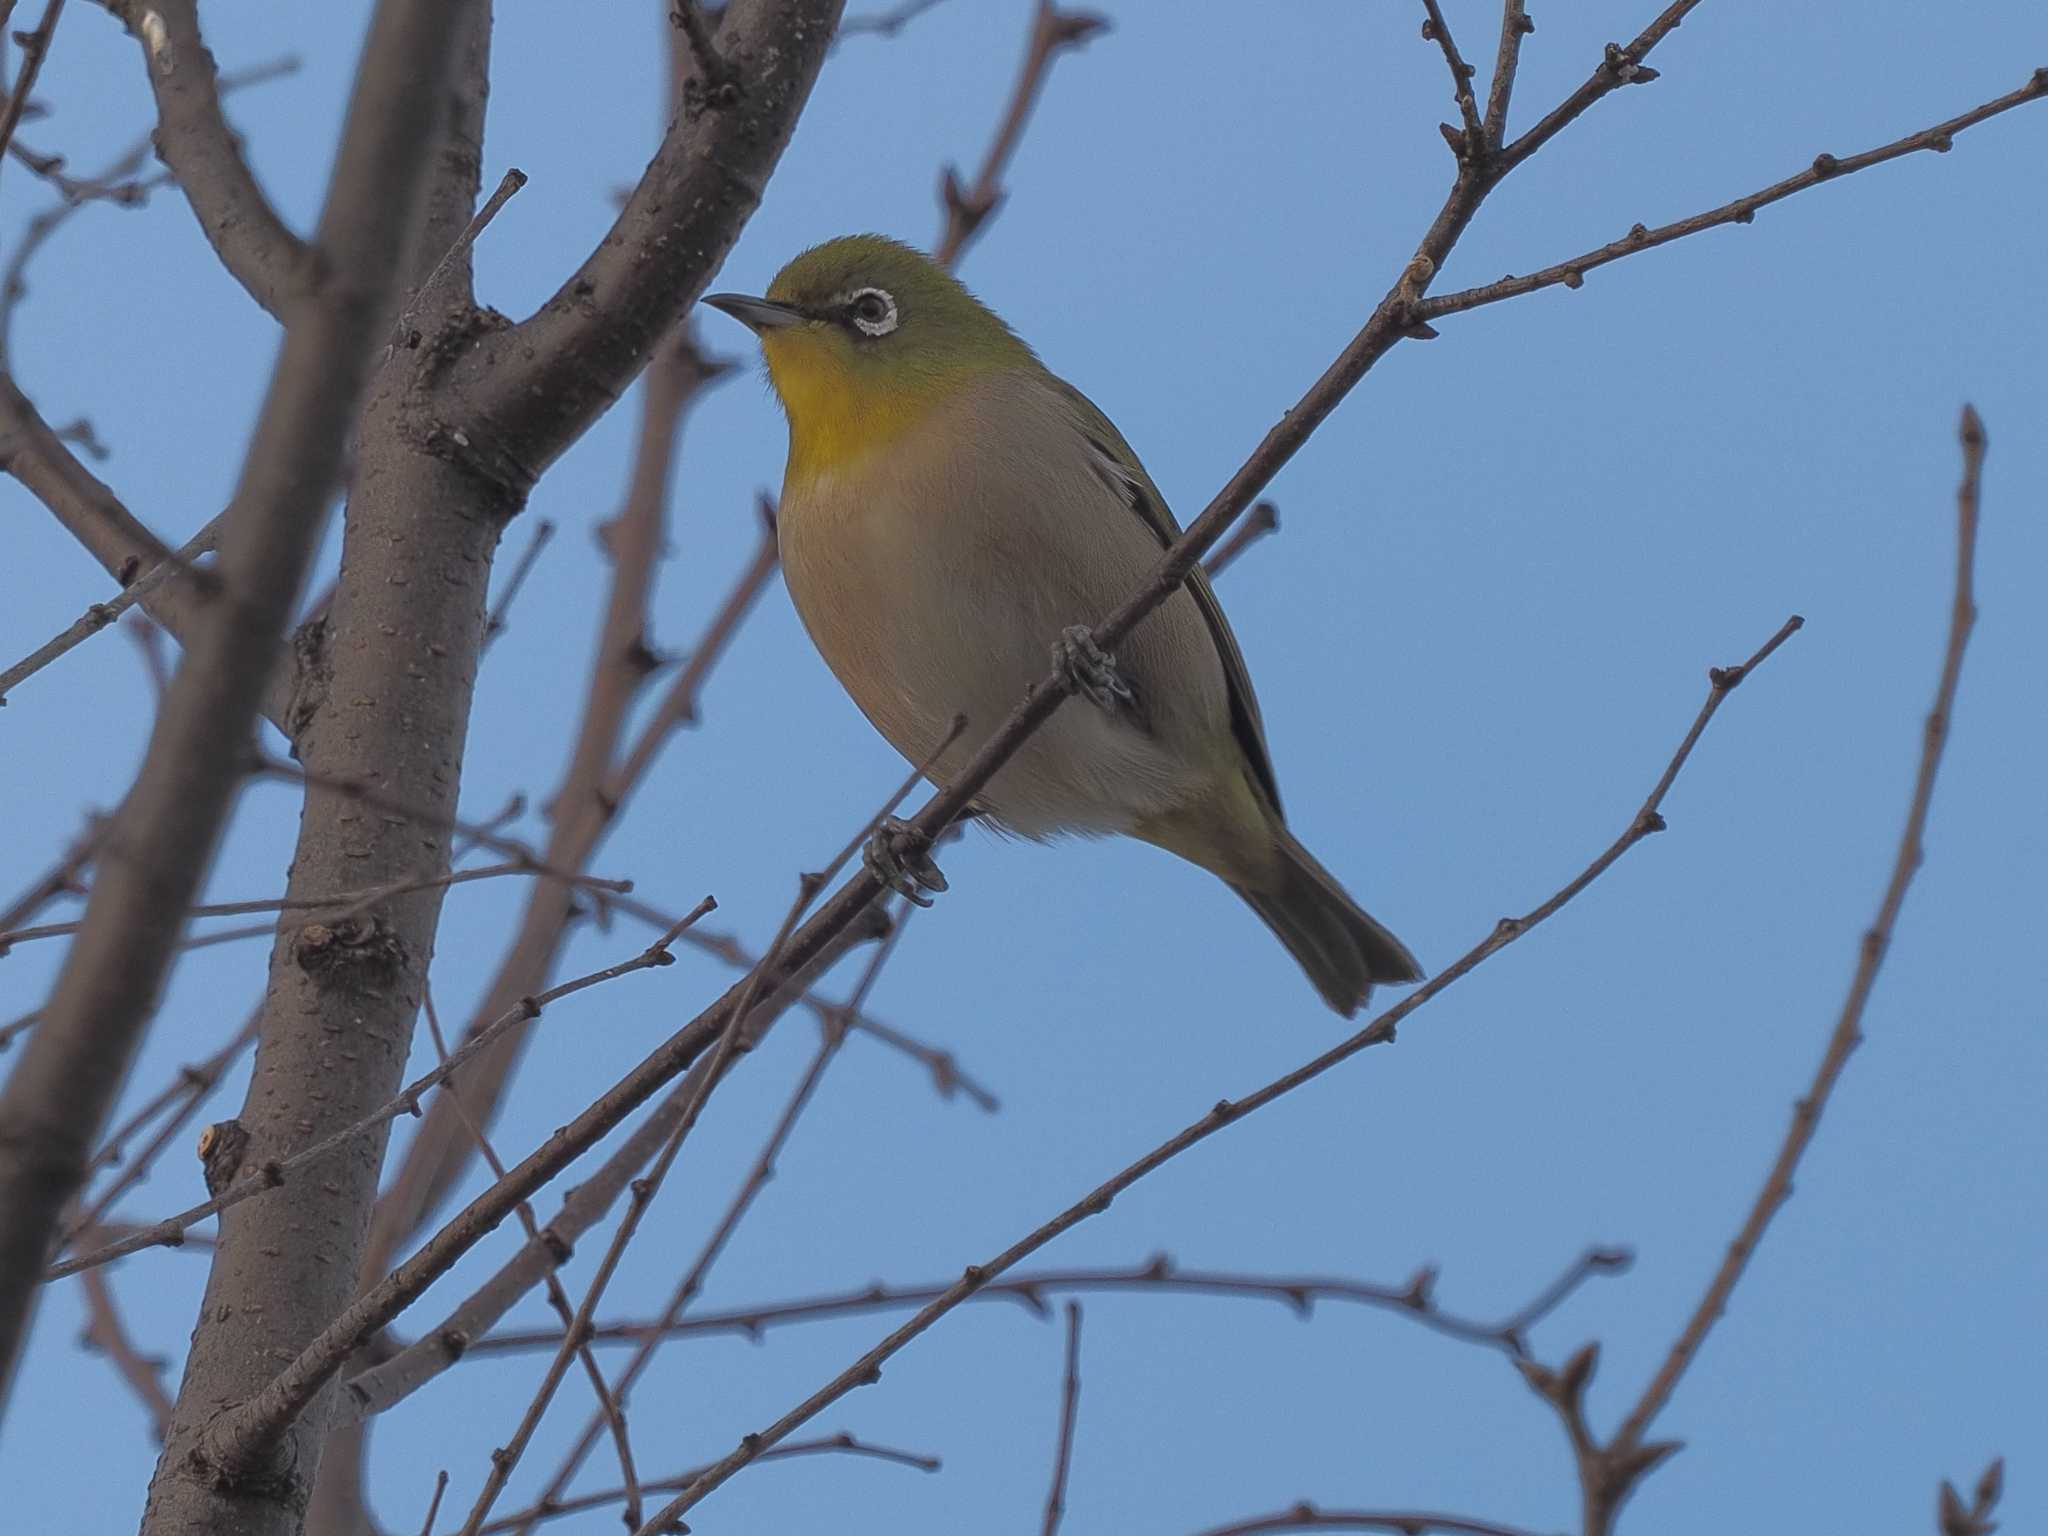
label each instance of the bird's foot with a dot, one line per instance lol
(894, 857)
(1093, 671)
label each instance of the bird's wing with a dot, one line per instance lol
(1120, 470)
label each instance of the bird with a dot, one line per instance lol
(954, 516)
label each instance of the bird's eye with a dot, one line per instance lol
(872, 311)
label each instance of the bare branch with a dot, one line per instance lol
(678, 705)
(1070, 1403)
(1742, 210)
(528, 391)
(1400, 1522)
(387, 1383)
(1472, 139)
(1618, 66)
(543, 534)
(839, 1443)
(63, 878)
(194, 140)
(183, 1098)
(35, 47)
(729, 1046)
(89, 510)
(763, 1169)
(1264, 518)
(1416, 1300)
(349, 905)
(886, 23)
(1053, 32)
(170, 1231)
(611, 1407)
(58, 1097)
(1848, 1030)
(105, 1333)
(1956, 1518)
(582, 809)
(867, 1369)
(1514, 26)
(434, 1504)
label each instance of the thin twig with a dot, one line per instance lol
(1390, 321)
(1956, 1518)
(1848, 1030)
(98, 616)
(382, 1385)
(1400, 1522)
(184, 1098)
(948, 1076)
(690, 22)
(1416, 1299)
(494, 626)
(508, 184)
(1264, 518)
(1742, 210)
(105, 1333)
(839, 1443)
(831, 1037)
(867, 1369)
(1619, 66)
(1514, 26)
(434, 1504)
(1070, 1403)
(35, 47)
(1053, 32)
(351, 904)
(678, 705)
(170, 1231)
(63, 878)
(644, 1189)
(580, 810)
(611, 1408)
(886, 23)
(1435, 29)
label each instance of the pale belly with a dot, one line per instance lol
(925, 618)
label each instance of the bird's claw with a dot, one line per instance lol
(893, 858)
(1093, 671)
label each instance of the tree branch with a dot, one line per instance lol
(1742, 210)
(1614, 1469)
(836, 1027)
(389, 1382)
(1070, 1403)
(1400, 1522)
(1388, 323)
(35, 47)
(105, 1333)
(162, 839)
(1053, 32)
(1435, 29)
(1160, 1275)
(193, 138)
(868, 1368)
(170, 1231)
(524, 393)
(839, 1443)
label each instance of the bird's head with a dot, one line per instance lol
(863, 336)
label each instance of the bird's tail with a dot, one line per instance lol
(1343, 948)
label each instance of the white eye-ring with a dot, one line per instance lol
(872, 311)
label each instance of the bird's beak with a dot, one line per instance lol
(756, 314)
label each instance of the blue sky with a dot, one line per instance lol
(1503, 569)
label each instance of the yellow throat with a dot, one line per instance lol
(840, 412)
